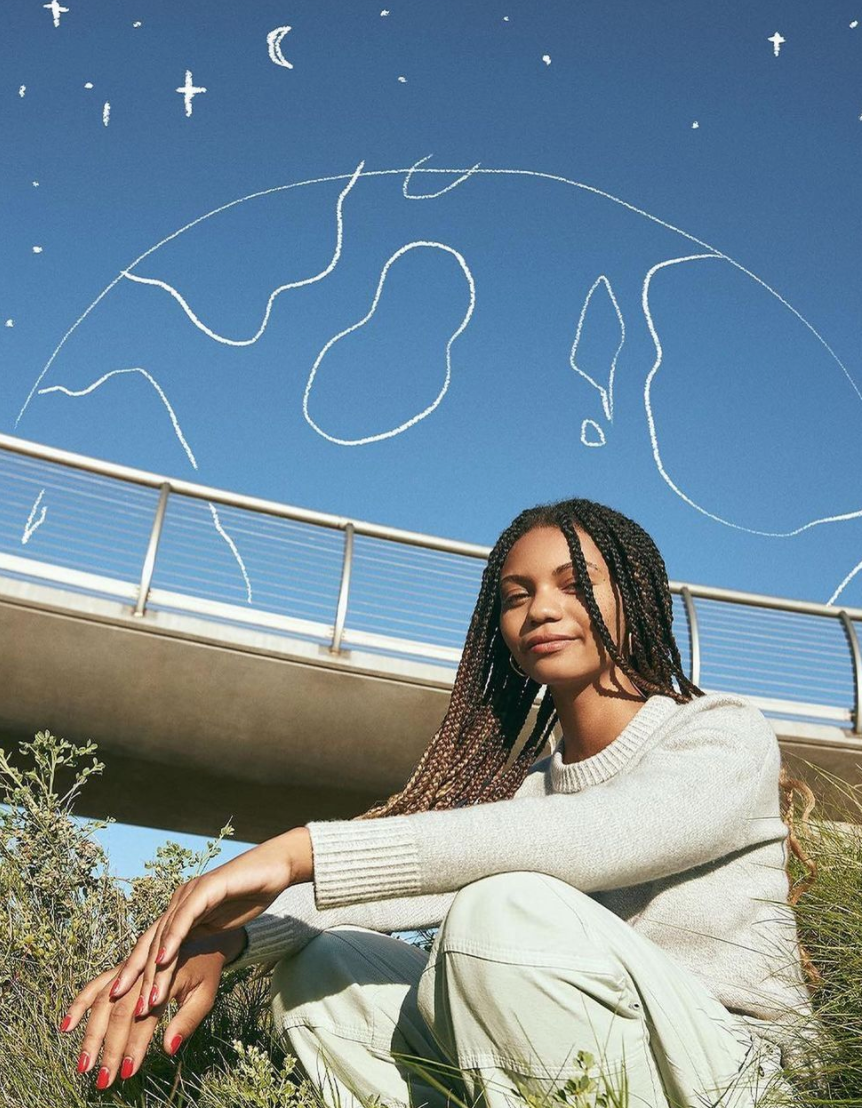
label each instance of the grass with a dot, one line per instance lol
(66, 920)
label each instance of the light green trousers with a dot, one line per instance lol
(525, 973)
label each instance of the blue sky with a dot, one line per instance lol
(748, 423)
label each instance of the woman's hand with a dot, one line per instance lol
(221, 900)
(122, 1037)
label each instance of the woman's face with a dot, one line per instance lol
(543, 619)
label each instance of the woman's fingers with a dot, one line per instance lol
(123, 1037)
(151, 991)
(131, 969)
(194, 1009)
(103, 1011)
(85, 998)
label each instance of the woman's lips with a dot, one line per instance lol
(553, 646)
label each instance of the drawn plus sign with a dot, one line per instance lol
(189, 91)
(776, 41)
(55, 10)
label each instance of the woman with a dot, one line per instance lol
(625, 896)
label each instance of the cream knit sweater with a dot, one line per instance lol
(675, 827)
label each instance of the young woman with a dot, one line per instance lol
(624, 896)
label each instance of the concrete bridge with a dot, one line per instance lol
(270, 664)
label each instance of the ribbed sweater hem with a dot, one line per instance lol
(268, 938)
(356, 860)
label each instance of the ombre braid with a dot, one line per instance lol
(470, 758)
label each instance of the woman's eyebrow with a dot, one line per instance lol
(560, 569)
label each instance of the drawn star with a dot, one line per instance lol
(776, 41)
(189, 91)
(56, 11)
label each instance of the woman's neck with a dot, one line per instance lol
(592, 718)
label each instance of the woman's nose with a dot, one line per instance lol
(544, 605)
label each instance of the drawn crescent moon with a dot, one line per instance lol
(273, 44)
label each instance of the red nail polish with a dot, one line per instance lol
(64, 1026)
(114, 987)
(154, 995)
(160, 956)
(103, 1078)
(139, 1007)
(126, 1069)
(175, 1043)
(83, 1061)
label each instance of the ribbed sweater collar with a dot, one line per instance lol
(616, 755)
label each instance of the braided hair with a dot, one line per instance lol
(476, 757)
(470, 759)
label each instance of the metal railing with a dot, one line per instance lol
(163, 543)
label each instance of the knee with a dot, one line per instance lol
(523, 910)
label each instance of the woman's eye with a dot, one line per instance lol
(512, 598)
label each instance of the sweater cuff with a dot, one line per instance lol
(360, 860)
(269, 938)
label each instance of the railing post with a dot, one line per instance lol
(150, 556)
(344, 591)
(693, 634)
(856, 655)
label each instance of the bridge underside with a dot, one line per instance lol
(199, 722)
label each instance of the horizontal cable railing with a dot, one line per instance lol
(163, 544)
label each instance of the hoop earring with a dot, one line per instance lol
(514, 666)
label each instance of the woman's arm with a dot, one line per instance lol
(293, 920)
(702, 792)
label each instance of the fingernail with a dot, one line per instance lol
(114, 987)
(175, 1043)
(126, 1068)
(160, 956)
(83, 1061)
(103, 1078)
(139, 1007)
(64, 1026)
(154, 994)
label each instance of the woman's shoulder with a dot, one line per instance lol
(726, 712)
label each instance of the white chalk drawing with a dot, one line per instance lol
(588, 426)
(10, 322)
(37, 249)
(132, 369)
(855, 23)
(273, 45)
(546, 58)
(333, 262)
(606, 394)
(433, 195)
(56, 11)
(88, 85)
(843, 585)
(695, 125)
(403, 80)
(22, 91)
(710, 253)
(776, 41)
(177, 431)
(137, 23)
(248, 593)
(384, 12)
(106, 113)
(465, 269)
(30, 526)
(181, 437)
(35, 184)
(189, 91)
